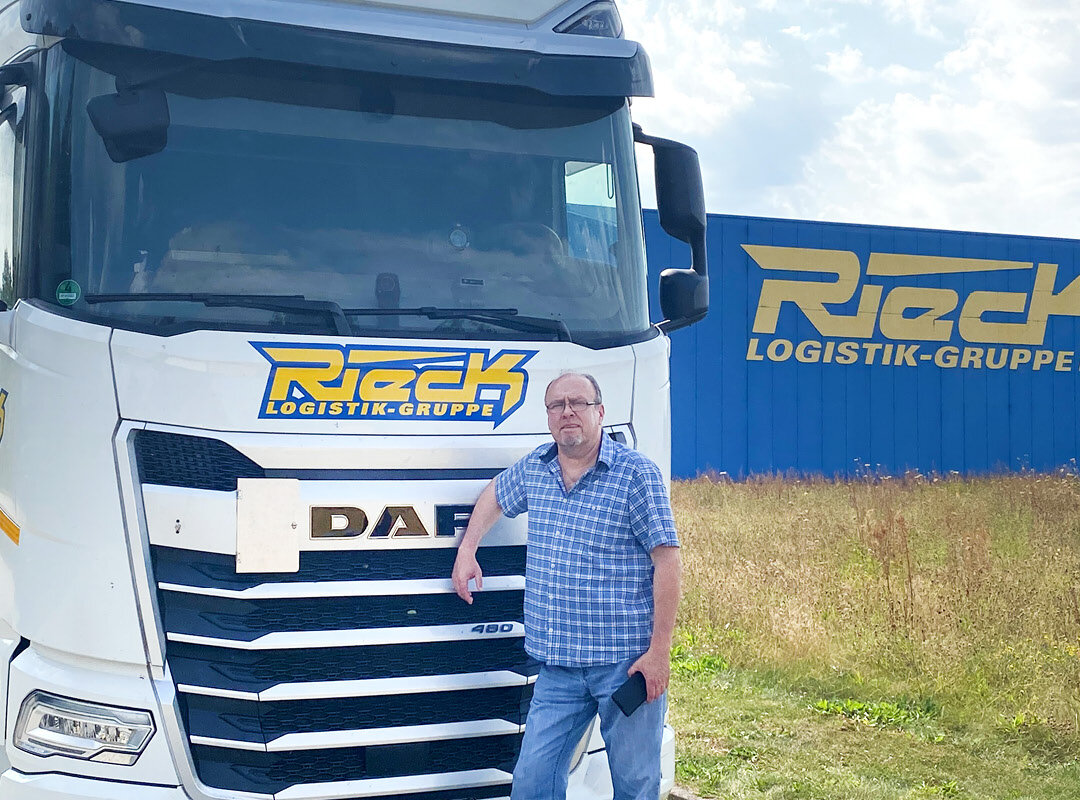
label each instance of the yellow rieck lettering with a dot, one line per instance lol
(359, 382)
(893, 317)
(8, 526)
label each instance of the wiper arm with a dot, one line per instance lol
(268, 302)
(511, 320)
(506, 317)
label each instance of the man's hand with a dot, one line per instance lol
(466, 568)
(483, 516)
(655, 665)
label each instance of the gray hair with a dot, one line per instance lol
(585, 375)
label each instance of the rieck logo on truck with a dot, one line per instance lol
(910, 318)
(331, 381)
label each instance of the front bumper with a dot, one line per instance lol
(15, 785)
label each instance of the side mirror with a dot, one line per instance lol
(680, 199)
(132, 124)
(684, 298)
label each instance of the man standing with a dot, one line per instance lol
(601, 589)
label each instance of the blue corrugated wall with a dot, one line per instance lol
(743, 403)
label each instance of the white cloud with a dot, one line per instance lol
(847, 65)
(699, 58)
(698, 88)
(937, 113)
(796, 31)
(978, 145)
(897, 74)
(753, 51)
(923, 14)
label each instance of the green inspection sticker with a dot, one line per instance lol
(68, 293)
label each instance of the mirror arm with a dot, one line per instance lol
(669, 325)
(699, 258)
(653, 141)
(21, 73)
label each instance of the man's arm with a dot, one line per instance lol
(485, 514)
(655, 665)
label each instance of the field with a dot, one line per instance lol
(879, 638)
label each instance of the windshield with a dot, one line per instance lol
(406, 204)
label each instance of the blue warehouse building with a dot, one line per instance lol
(835, 349)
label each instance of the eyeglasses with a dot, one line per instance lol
(577, 405)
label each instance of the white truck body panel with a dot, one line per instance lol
(521, 11)
(217, 381)
(90, 680)
(524, 11)
(70, 574)
(517, 25)
(9, 641)
(652, 400)
(53, 786)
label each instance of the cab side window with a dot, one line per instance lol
(10, 175)
(591, 215)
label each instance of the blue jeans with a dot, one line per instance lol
(565, 700)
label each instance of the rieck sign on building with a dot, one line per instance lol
(841, 349)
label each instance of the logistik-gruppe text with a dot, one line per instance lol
(889, 354)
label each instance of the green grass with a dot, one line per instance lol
(879, 639)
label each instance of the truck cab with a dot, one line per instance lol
(283, 283)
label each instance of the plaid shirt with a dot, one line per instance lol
(588, 574)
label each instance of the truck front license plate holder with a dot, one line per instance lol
(267, 529)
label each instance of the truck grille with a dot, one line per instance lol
(290, 680)
(262, 772)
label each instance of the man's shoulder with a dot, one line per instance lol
(541, 452)
(634, 461)
(536, 457)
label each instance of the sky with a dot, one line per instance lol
(955, 114)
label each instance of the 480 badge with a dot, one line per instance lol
(494, 627)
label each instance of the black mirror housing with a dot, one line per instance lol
(684, 298)
(680, 200)
(132, 123)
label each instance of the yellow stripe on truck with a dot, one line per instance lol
(8, 526)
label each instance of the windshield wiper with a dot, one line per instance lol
(505, 317)
(267, 302)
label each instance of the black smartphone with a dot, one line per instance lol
(631, 694)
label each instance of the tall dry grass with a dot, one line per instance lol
(964, 590)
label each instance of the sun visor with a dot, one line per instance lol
(151, 27)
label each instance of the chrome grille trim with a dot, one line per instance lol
(412, 784)
(371, 736)
(304, 640)
(282, 591)
(372, 687)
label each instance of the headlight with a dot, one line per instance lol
(56, 726)
(597, 19)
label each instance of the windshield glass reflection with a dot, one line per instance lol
(376, 194)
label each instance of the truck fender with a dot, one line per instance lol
(11, 644)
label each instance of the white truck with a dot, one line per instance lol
(283, 284)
